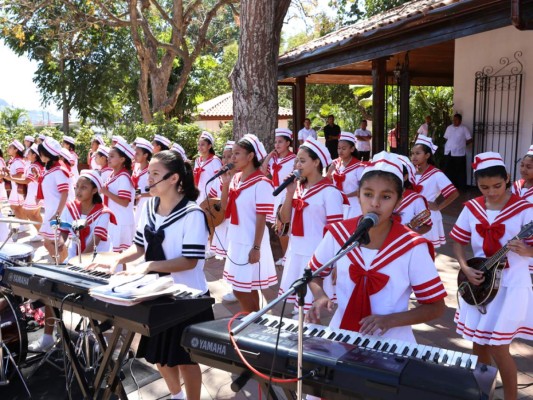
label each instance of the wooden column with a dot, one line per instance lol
(379, 80)
(405, 86)
(299, 109)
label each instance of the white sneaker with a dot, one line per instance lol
(41, 344)
(279, 262)
(229, 297)
(36, 238)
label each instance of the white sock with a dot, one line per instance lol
(178, 396)
(47, 339)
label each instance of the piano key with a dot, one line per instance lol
(339, 337)
(321, 333)
(448, 357)
(331, 336)
(377, 345)
(365, 342)
(414, 352)
(393, 348)
(456, 358)
(385, 346)
(464, 360)
(473, 361)
(427, 354)
(438, 354)
(405, 350)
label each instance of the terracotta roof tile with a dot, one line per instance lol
(222, 106)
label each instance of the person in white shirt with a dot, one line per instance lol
(426, 129)
(457, 138)
(363, 136)
(306, 131)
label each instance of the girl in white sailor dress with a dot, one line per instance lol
(431, 182)
(278, 165)
(69, 143)
(205, 165)
(412, 203)
(219, 242)
(3, 167)
(143, 154)
(346, 171)
(15, 168)
(374, 281)
(487, 223)
(32, 205)
(102, 157)
(247, 199)
(88, 206)
(172, 234)
(311, 203)
(119, 194)
(523, 187)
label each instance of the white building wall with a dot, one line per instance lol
(474, 52)
(214, 126)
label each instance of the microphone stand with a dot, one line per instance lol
(300, 288)
(56, 228)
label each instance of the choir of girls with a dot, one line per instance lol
(135, 194)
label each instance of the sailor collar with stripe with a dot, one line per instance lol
(184, 207)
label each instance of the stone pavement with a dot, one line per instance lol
(439, 333)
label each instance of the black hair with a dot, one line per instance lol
(162, 145)
(313, 156)
(288, 139)
(365, 121)
(246, 145)
(173, 162)
(527, 155)
(52, 159)
(211, 150)
(307, 119)
(406, 183)
(71, 147)
(497, 171)
(457, 115)
(97, 199)
(127, 160)
(19, 153)
(38, 160)
(145, 151)
(331, 116)
(427, 150)
(354, 153)
(397, 184)
(1, 153)
(102, 154)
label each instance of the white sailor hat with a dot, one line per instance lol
(348, 136)
(487, 160)
(259, 149)
(145, 144)
(283, 132)
(16, 144)
(163, 140)
(125, 148)
(386, 162)
(69, 139)
(207, 136)
(52, 146)
(179, 149)
(229, 145)
(104, 150)
(411, 170)
(319, 149)
(93, 175)
(29, 138)
(422, 139)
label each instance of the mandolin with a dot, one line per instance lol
(213, 211)
(281, 228)
(419, 219)
(482, 294)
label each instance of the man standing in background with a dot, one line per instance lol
(457, 138)
(306, 131)
(363, 137)
(331, 134)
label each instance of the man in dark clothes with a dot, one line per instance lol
(332, 133)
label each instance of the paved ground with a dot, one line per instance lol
(440, 333)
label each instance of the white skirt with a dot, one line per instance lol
(509, 316)
(3, 192)
(293, 270)
(15, 199)
(219, 243)
(436, 234)
(121, 236)
(248, 277)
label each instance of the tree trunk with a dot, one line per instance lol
(254, 78)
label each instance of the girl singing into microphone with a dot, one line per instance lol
(374, 280)
(171, 234)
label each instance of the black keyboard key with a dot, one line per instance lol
(331, 336)
(458, 362)
(377, 345)
(405, 351)
(414, 353)
(321, 333)
(313, 332)
(264, 321)
(385, 347)
(365, 343)
(289, 328)
(346, 338)
(426, 356)
(469, 364)
(358, 340)
(393, 348)
(445, 359)
(339, 337)
(436, 357)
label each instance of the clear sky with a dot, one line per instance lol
(16, 73)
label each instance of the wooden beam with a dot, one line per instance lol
(379, 80)
(299, 111)
(405, 86)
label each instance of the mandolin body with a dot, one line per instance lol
(477, 295)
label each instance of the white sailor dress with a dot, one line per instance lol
(3, 191)
(140, 182)
(526, 194)
(203, 171)
(96, 226)
(183, 233)
(346, 179)
(431, 184)
(16, 166)
(510, 314)
(219, 242)
(246, 200)
(33, 174)
(279, 169)
(379, 282)
(312, 210)
(121, 235)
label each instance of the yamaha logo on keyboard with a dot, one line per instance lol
(20, 279)
(206, 345)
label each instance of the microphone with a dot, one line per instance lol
(361, 232)
(165, 177)
(286, 182)
(221, 171)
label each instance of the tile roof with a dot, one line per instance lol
(222, 106)
(366, 28)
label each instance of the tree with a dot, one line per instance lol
(349, 11)
(254, 78)
(12, 117)
(167, 36)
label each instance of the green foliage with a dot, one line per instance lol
(350, 11)
(12, 117)
(223, 135)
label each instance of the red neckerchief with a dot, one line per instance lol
(277, 164)
(35, 171)
(231, 207)
(408, 197)
(199, 167)
(299, 204)
(518, 186)
(368, 282)
(136, 176)
(58, 165)
(492, 233)
(430, 171)
(340, 176)
(112, 178)
(74, 207)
